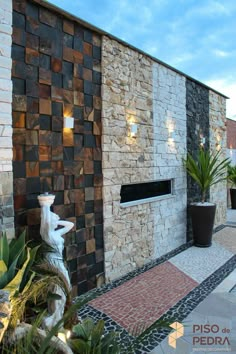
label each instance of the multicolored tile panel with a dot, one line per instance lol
(56, 73)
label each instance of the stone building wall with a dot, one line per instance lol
(6, 179)
(231, 140)
(56, 73)
(218, 141)
(57, 67)
(137, 89)
(231, 134)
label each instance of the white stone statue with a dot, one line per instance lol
(52, 235)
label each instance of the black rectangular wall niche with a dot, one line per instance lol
(139, 191)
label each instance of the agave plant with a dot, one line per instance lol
(30, 339)
(206, 170)
(16, 260)
(20, 286)
(15, 273)
(89, 338)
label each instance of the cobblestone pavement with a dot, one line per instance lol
(146, 297)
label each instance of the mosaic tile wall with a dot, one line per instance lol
(56, 73)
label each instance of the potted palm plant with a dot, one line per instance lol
(206, 170)
(232, 179)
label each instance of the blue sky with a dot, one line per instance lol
(197, 37)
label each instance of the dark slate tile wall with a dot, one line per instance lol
(56, 72)
(197, 107)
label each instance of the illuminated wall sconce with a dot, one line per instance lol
(218, 146)
(68, 122)
(202, 140)
(133, 130)
(218, 142)
(172, 135)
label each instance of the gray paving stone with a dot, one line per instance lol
(199, 263)
(217, 306)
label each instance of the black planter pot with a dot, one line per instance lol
(203, 217)
(233, 198)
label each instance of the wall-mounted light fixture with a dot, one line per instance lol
(202, 140)
(68, 122)
(171, 135)
(218, 142)
(133, 129)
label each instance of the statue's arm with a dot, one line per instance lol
(68, 225)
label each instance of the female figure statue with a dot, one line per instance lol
(51, 230)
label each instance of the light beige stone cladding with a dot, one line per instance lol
(217, 122)
(6, 180)
(136, 88)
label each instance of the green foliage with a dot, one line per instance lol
(36, 341)
(35, 292)
(15, 263)
(4, 249)
(89, 338)
(206, 170)
(232, 175)
(30, 343)
(15, 273)
(32, 288)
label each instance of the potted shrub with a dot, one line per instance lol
(206, 170)
(232, 179)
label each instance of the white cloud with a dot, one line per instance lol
(210, 8)
(228, 88)
(221, 53)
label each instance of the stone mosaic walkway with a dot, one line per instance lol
(140, 301)
(200, 263)
(218, 309)
(227, 240)
(168, 289)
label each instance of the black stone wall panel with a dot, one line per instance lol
(197, 110)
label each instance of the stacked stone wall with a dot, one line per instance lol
(139, 90)
(6, 183)
(231, 140)
(197, 109)
(218, 141)
(231, 134)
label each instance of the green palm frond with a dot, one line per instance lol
(206, 170)
(34, 292)
(232, 175)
